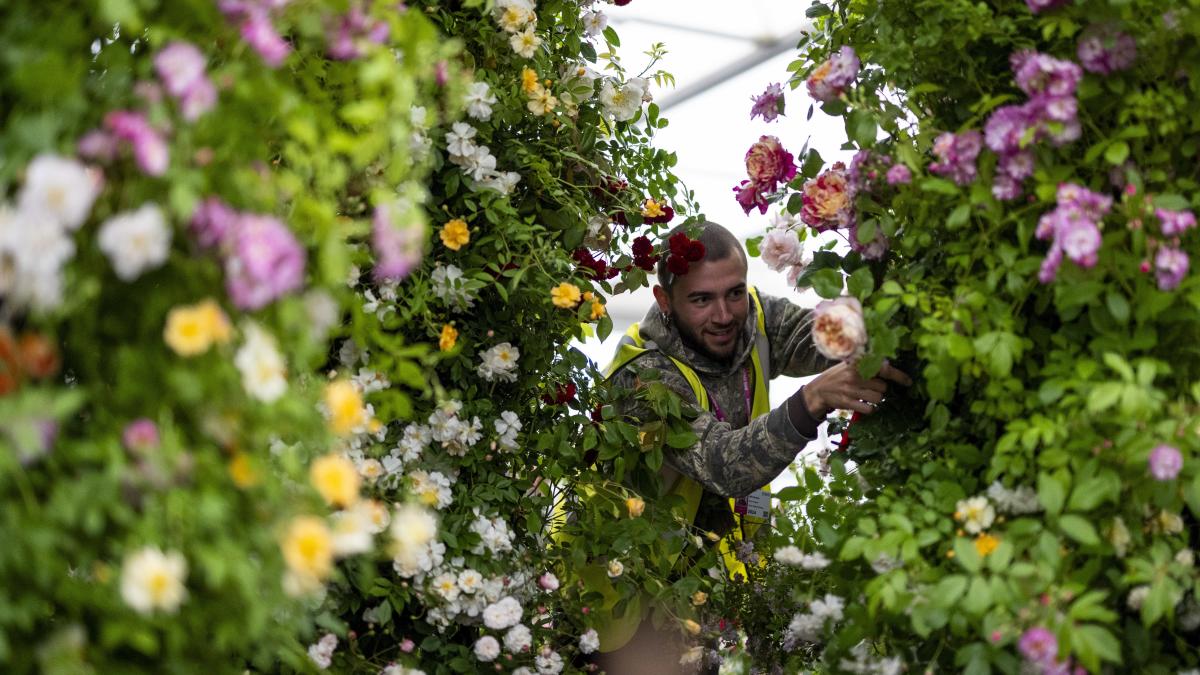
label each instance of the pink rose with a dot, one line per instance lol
(780, 249)
(839, 331)
(398, 248)
(768, 163)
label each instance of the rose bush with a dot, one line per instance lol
(181, 184)
(1019, 224)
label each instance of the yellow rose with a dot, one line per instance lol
(448, 338)
(598, 310)
(529, 80)
(336, 478)
(692, 627)
(345, 405)
(699, 598)
(635, 506)
(565, 295)
(455, 234)
(652, 209)
(308, 548)
(215, 320)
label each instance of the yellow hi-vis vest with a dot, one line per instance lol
(616, 633)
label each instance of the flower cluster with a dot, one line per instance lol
(1072, 228)
(682, 251)
(35, 238)
(831, 78)
(518, 18)
(477, 161)
(956, 155)
(768, 165)
(1171, 262)
(1051, 112)
(809, 627)
(623, 101)
(1105, 50)
(256, 22)
(351, 32)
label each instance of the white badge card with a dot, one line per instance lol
(756, 505)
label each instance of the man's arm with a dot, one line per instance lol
(789, 333)
(726, 461)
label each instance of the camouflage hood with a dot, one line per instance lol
(665, 336)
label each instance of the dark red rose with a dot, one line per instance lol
(695, 252)
(642, 247)
(678, 244)
(677, 265)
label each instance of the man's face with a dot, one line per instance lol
(709, 305)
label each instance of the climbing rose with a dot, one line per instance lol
(1170, 267)
(768, 163)
(1039, 645)
(769, 104)
(827, 200)
(265, 262)
(1105, 50)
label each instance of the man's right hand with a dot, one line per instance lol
(842, 388)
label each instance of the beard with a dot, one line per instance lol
(692, 339)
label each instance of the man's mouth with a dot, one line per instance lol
(722, 336)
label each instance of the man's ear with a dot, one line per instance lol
(663, 299)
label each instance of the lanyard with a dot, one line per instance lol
(720, 414)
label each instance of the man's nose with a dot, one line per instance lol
(722, 313)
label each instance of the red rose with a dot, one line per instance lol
(642, 247)
(678, 244)
(695, 252)
(677, 265)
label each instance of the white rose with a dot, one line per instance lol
(839, 331)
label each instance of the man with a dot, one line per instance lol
(716, 343)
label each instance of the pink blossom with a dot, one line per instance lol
(794, 273)
(407, 646)
(831, 78)
(769, 104)
(899, 174)
(1170, 267)
(180, 66)
(1049, 268)
(149, 148)
(1165, 462)
(260, 34)
(548, 582)
(1039, 645)
(866, 168)
(198, 100)
(1175, 223)
(212, 221)
(1079, 238)
(265, 261)
(1039, 73)
(1105, 50)
(751, 196)
(98, 145)
(780, 249)
(353, 30)
(140, 435)
(398, 248)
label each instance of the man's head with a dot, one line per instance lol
(709, 304)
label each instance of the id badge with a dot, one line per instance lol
(755, 507)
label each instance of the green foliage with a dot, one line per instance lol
(1044, 398)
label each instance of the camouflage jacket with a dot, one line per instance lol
(736, 456)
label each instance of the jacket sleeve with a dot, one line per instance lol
(726, 461)
(789, 334)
